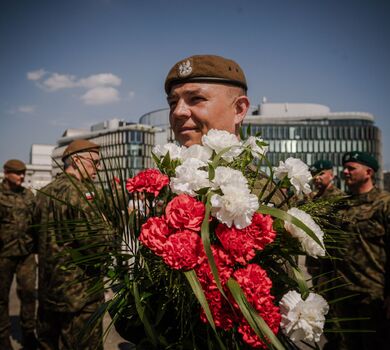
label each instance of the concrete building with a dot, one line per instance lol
(125, 147)
(306, 131)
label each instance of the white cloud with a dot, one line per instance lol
(131, 94)
(100, 95)
(36, 74)
(100, 88)
(103, 79)
(26, 109)
(60, 81)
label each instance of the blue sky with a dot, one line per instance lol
(73, 63)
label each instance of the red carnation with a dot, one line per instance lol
(236, 242)
(183, 250)
(242, 243)
(150, 180)
(185, 212)
(256, 286)
(224, 266)
(154, 233)
(261, 230)
(221, 311)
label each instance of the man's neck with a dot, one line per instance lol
(364, 188)
(12, 186)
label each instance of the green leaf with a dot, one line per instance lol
(254, 319)
(205, 234)
(280, 214)
(303, 287)
(142, 315)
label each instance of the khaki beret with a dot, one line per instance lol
(205, 68)
(14, 165)
(362, 158)
(78, 146)
(320, 165)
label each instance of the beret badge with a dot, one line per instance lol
(185, 68)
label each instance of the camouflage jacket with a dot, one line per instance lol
(364, 262)
(71, 226)
(16, 211)
(330, 192)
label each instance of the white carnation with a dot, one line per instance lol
(303, 319)
(173, 149)
(256, 150)
(298, 173)
(218, 140)
(236, 206)
(197, 151)
(189, 178)
(309, 245)
(225, 176)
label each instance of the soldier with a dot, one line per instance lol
(364, 258)
(207, 92)
(16, 253)
(70, 224)
(322, 172)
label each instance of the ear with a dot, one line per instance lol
(241, 106)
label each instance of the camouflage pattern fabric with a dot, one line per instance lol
(364, 267)
(59, 330)
(25, 269)
(16, 244)
(365, 255)
(71, 226)
(16, 212)
(329, 193)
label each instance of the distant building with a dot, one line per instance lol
(39, 171)
(125, 147)
(306, 131)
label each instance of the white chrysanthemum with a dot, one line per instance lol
(236, 206)
(303, 319)
(309, 245)
(189, 178)
(218, 140)
(197, 151)
(173, 149)
(298, 173)
(225, 176)
(256, 150)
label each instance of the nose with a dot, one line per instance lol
(181, 110)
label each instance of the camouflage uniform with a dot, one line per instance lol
(364, 266)
(16, 257)
(329, 193)
(70, 224)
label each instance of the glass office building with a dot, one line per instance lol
(125, 147)
(306, 131)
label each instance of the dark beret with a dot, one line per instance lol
(206, 68)
(78, 146)
(362, 158)
(320, 165)
(14, 165)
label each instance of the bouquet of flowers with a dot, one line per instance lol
(211, 261)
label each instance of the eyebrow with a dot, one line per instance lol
(186, 93)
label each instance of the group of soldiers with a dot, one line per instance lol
(60, 220)
(204, 92)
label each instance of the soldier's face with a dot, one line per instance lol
(356, 174)
(195, 108)
(87, 164)
(323, 179)
(15, 178)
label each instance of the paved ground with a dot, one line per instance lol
(113, 342)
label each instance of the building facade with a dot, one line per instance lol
(306, 131)
(125, 147)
